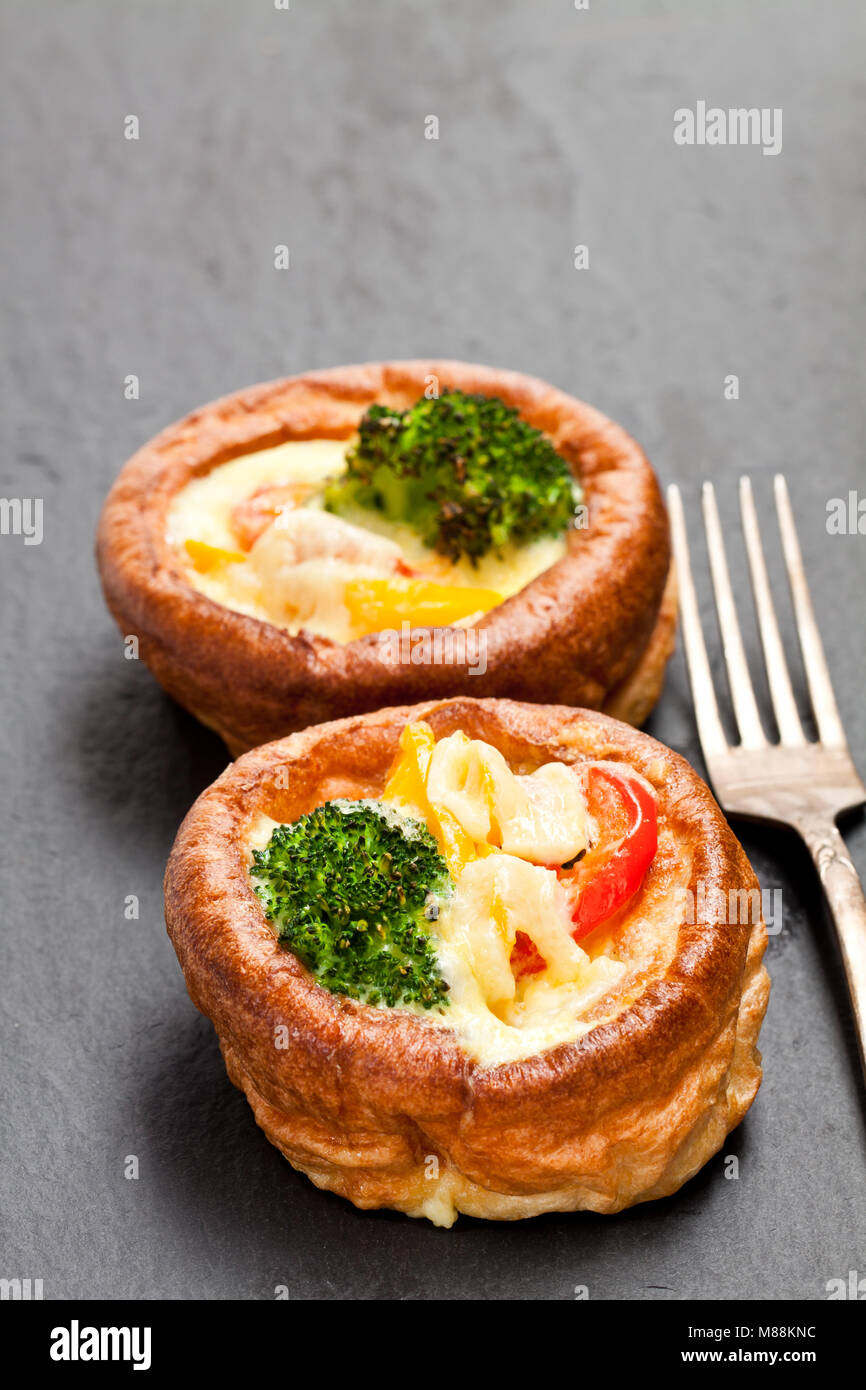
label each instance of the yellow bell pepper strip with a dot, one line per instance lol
(375, 604)
(407, 784)
(206, 558)
(407, 778)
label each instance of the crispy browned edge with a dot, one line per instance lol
(361, 1097)
(578, 632)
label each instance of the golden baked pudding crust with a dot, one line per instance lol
(362, 1097)
(590, 628)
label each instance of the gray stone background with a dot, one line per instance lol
(155, 257)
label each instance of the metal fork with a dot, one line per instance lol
(795, 782)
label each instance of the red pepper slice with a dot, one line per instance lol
(602, 890)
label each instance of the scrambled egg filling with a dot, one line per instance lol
(252, 534)
(497, 831)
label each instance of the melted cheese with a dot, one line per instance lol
(203, 508)
(259, 586)
(540, 817)
(497, 1017)
(544, 1015)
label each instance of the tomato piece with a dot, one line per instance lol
(604, 880)
(526, 959)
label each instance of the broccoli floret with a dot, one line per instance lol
(464, 470)
(348, 887)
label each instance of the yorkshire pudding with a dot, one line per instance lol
(389, 1108)
(595, 628)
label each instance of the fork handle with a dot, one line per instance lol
(844, 893)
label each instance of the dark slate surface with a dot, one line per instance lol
(155, 257)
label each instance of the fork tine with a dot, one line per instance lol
(710, 729)
(784, 706)
(830, 729)
(739, 680)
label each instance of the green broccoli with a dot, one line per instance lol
(349, 887)
(464, 470)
